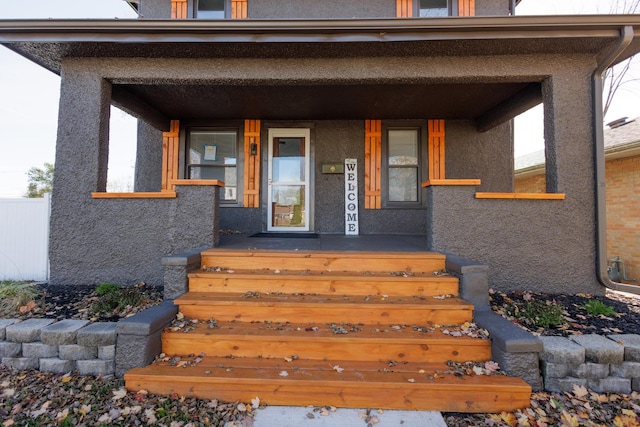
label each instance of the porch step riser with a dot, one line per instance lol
(457, 397)
(322, 349)
(349, 314)
(324, 261)
(357, 286)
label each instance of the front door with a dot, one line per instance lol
(288, 180)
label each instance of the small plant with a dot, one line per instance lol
(106, 288)
(596, 308)
(14, 295)
(543, 314)
(114, 297)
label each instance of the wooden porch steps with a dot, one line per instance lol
(349, 329)
(255, 307)
(410, 386)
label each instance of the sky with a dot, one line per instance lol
(29, 95)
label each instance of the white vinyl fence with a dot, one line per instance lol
(24, 238)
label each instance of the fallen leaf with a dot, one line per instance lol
(119, 394)
(580, 390)
(255, 403)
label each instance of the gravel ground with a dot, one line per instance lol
(32, 398)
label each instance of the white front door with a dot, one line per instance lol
(288, 180)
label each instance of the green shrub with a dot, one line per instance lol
(106, 288)
(596, 307)
(543, 314)
(14, 295)
(117, 298)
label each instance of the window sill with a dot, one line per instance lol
(138, 195)
(437, 182)
(521, 196)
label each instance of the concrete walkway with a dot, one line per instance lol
(287, 416)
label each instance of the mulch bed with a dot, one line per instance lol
(577, 321)
(70, 399)
(77, 301)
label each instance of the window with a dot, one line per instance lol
(212, 154)
(403, 166)
(433, 8)
(211, 9)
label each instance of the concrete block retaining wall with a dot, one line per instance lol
(101, 348)
(59, 347)
(608, 364)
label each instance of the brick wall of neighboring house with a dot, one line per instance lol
(531, 184)
(623, 213)
(623, 209)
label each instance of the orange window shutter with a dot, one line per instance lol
(178, 9)
(251, 189)
(435, 143)
(170, 147)
(404, 8)
(239, 9)
(372, 163)
(466, 7)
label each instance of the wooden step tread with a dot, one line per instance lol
(324, 274)
(323, 282)
(350, 387)
(321, 253)
(316, 308)
(288, 300)
(323, 260)
(315, 331)
(340, 342)
(296, 363)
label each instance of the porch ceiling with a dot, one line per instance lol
(323, 102)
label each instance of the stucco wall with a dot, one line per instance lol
(313, 9)
(492, 7)
(155, 9)
(148, 173)
(534, 244)
(326, 9)
(118, 240)
(541, 245)
(487, 156)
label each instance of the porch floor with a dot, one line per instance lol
(329, 242)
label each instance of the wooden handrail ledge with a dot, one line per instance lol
(521, 196)
(435, 182)
(137, 195)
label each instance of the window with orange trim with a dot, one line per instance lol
(435, 8)
(403, 164)
(212, 153)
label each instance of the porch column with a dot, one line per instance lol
(82, 148)
(148, 174)
(568, 135)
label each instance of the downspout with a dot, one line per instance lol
(626, 37)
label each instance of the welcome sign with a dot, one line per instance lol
(351, 197)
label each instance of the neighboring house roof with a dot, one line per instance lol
(621, 139)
